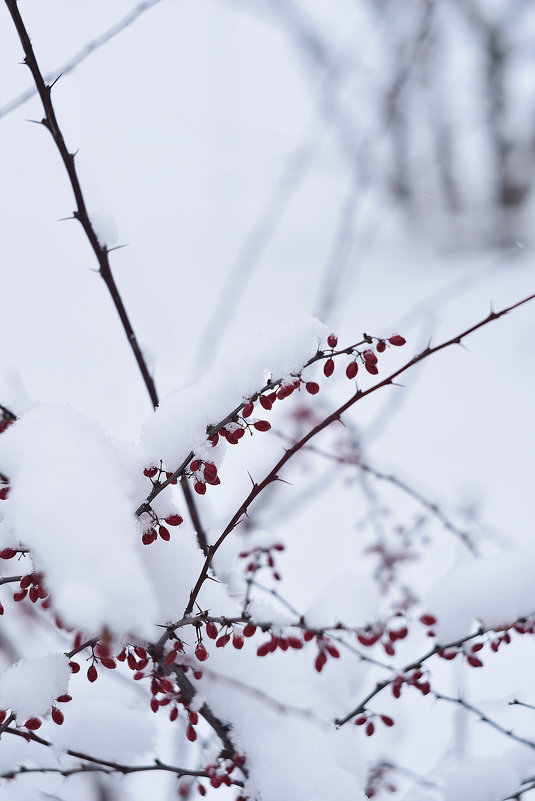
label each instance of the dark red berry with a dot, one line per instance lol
(352, 369)
(174, 520)
(396, 340)
(262, 425)
(328, 368)
(57, 716)
(92, 674)
(332, 340)
(312, 387)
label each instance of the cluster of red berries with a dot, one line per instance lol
(219, 775)
(387, 634)
(151, 535)
(367, 357)
(259, 556)
(414, 679)
(367, 718)
(379, 780)
(34, 723)
(32, 585)
(278, 641)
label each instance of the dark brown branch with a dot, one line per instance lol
(81, 214)
(334, 417)
(100, 250)
(7, 412)
(101, 765)
(10, 579)
(86, 51)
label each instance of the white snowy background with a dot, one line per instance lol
(242, 152)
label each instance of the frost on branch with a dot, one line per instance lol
(71, 503)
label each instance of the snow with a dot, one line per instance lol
(30, 687)
(71, 503)
(351, 600)
(179, 424)
(106, 730)
(492, 591)
(490, 779)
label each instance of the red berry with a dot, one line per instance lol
(63, 699)
(200, 487)
(108, 663)
(352, 369)
(370, 728)
(33, 724)
(381, 346)
(237, 640)
(474, 661)
(370, 357)
(4, 492)
(328, 368)
(361, 720)
(265, 402)
(201, 653)
(210, 471)
(332, 340)
(150, 472)
(262, 425)
(74, 666)
(320, 661)
(191, 734)
(428, 620)
(174, 520)
(57, 716)
(371, 368)
(247, 410)
(211, 630)
(387, 720)
(164, 533)
(8, 553)
(312, 387)
(397, 340)
(249, 630)
(92, 674)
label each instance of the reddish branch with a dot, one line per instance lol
(336, 416)
(100, 250)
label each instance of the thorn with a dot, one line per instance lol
(54, 82)
(116, 247)
(250, 476)
(37, 122)
(64, 219)
(395, 384)
(283, 481)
